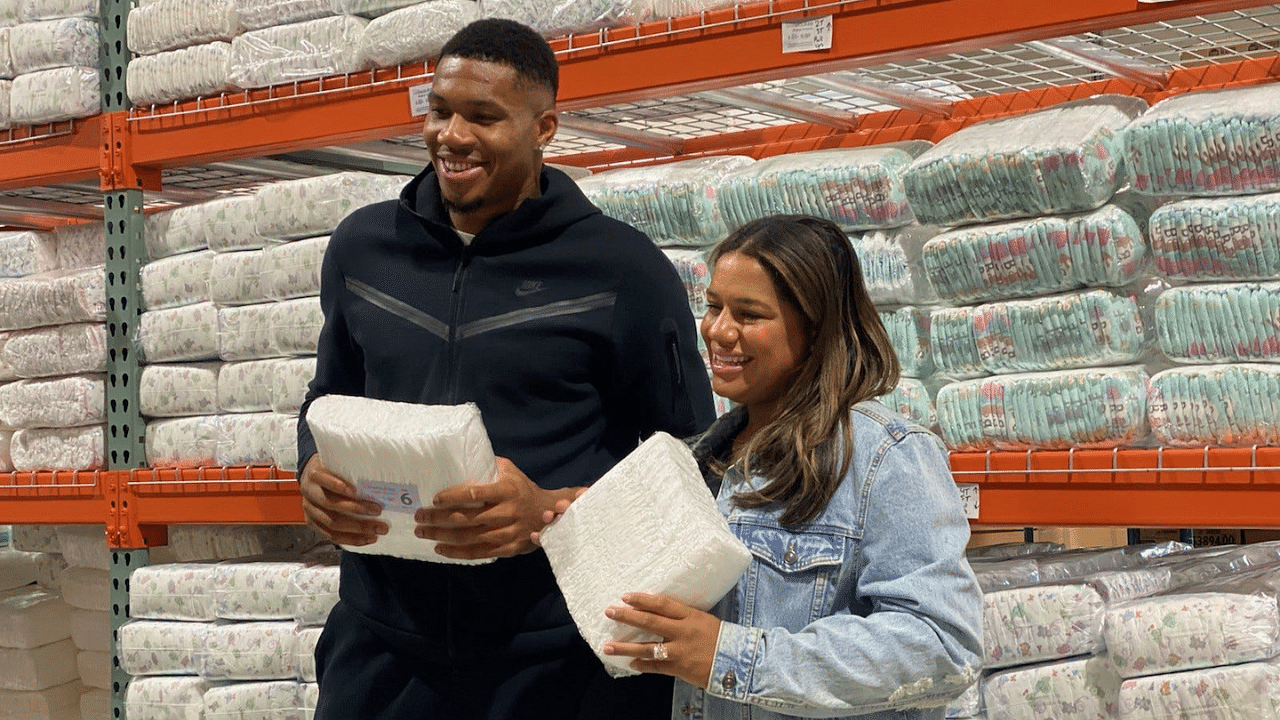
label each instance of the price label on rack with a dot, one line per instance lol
(420, 99)
(806, 35)
(969, 494)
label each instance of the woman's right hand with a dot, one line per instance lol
(551, 516)
(332, 507)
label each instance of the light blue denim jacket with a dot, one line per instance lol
(870, 610)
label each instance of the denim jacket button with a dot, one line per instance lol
(729, 682)
(789, 556)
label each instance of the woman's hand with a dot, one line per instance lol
(689, 637)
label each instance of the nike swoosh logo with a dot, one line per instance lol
(529, 289)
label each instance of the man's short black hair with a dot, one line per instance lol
(509, 43)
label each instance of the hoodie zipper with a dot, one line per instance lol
(459, 273)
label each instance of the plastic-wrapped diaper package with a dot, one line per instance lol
(170, 24)
(48, 96)
(80, 246)
(235, 278)
(199, 71)
(1221, 405)
(6, 371)
(34, 538)
(6, 91)
(91, 629)
(300, 51)
(31, 617)
(674, 204)
(38, 668)
(400, 455)
(225, 542)
(245, 387)
(84, 546)
(183, 442)
(310, 207)
(174, 232)
(1216, 239)
(1038, 256)
(289, 384)
(1086, 562)
(1229, 322)
(691, 266)
(246, 439)
(94, 668)
(1061, 159)
(252, 590)
(248, 651)
(1226, 620)
(313, 592)
(1006, 573)
(310, 694)
(968, 705)
(1084, 688)
(165, 698)
(908, 329)
(891, 264)
(17, 568)
(49, 571)
(912, 400)
(415, 32)
(284, 442)
(305, 652)
(1117, 586)
(552, 18)
(54, 403)
(856, 188)
(78, 448)
(1093, 407)
(278, 700)
(33, 10)
(57, 350)
(245, 332)
(178, 390)
(60, 702)
(179, 334)
(54, 298)
(177, 591)
(1235, 692)
(54, 43)
(292, 270)
(86, 588)
(953, 343)
(258, 14)
(295, 326)
(1041, 622)
(176, 280)
(6, 60)
(27, 253)
(1221, 142)
(1059, 332)
(647, 523)
(229, 224)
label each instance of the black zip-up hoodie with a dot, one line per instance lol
(568, 329)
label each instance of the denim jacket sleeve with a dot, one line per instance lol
(920, 643)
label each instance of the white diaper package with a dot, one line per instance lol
(229, 224)
(311, 207)
(235, 278)
(86, 588)
(310, 694)
(36, 538)
(298, 51)
(276, 700)
(84, 546)
(176, 591)
(91, 629)
(1041, 622)
(647, 525)
(416, 32)
(165, 698)
(180, 334)
(95, 668)
(38, 668)
(60, 702)
(48, 44)
(289, 384)
(170, 24)
(248, 651)
(305, 652)
(58, 350)
(1084, 688)
(72, 401)
(190, 543)
(94, 703)
(199, 71)
(27, 253)
(245, 387)
(313, 592)
(179, 390)
(162, 647)
(295, 326)
(174, 232)
(6, 450)
(183, 441)
(245, 332)
(245, 439)
(400, 455)
(17, 568)
(49, 96)
(176, 280)
(244, 590)
(32, 10)
(258, 14)
(76, 448)
(284, 445)
(31, 617)
(292, 269)
(81, 245)
(6, 371)
(1233, 692)
(53, 298)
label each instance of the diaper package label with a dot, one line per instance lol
(393, 497)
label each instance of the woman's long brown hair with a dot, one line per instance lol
(807, 448)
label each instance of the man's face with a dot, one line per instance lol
(485, 132)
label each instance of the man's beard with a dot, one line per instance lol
(463, 208)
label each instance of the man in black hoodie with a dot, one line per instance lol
(492, 280)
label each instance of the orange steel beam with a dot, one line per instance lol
(72, 157)
(63, 497)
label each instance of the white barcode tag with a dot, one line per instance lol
(806, 35)
(393, 497)
(969, 494)
(419, 99)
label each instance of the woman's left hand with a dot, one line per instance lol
(689, 637)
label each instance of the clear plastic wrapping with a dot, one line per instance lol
(289, 384)
(912, 400)
(313, 592)
(276, 700)
(310, 207)
(1039, 256)
(300, 51)
(32, 10)
(49, 96)
(1089, 408)
(182, 442)
(1222, 142)
(245, 387)
(284, 444)
(891, 265)
(1233, 692)
(968, 705)
(174, 232)
(176, 281)
(414, 33)
(674, 204)
(31, 617)
(552, 18)
(27, 253)
(235, 278)
(1217, 239)
(245, 439)
(1061, 159)
(1233, 322)
(230, 223)
(292, 270)
(54, 298)
(1006, 573)
(908, 329)
(1060, 332)
(1085, 688)
(245, 332)
(248, 651)
(1206, 563)
(161, 647)
(82, 245)
(171, 24)
(1041, 622)
(258, 14)
(78, 448)
(165, 698)
(196, 71)
(295, 326)
(57, 350)
(53, 44)
(953, 343)
(178, 390)
(305, 652)
(54, 403)
(857, 189)
(1220, 405)
(257, 590)
(179, 334)
(1012, 550)
(178, 591)
(691, 266)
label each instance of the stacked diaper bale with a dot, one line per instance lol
(86, 590)
(181, 49)
(48, 61)
(40, 543)
(409, 32)
(37, 658)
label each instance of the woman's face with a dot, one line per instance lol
(755, 338)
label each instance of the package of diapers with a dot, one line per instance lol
(38, 668)
(258, 14)
(1004, 573)
(292, 270)
(34, 538)
(953, 343)
(1040, 622)
(311, 207)
(552, 18)
(178, 390)
(1220, 142)
(891, 264)
(58, 350)
(183, 441)
(32, 616)
(313, 591)
(165, 698)
(1233, 692)
(235, 278)
(17, 568)
(63, 402)
(284, 443)
(1066, 158)
(74, 448)
(305, 652)
(27, 253)
(33, 10)
(245, 439)
(908, 329)
(176, 591)
(95, 668)
(48, 44)
(647, 525)
(295, 326)
(289, 384)
(1221, 405)
(174, 232)
(171, 24)
(227, 542)
(91, 629)
(1084, 688)
(855, 188)
(95, 703)
(84, 546)
(416, 32)
(245, 387)
(299, 51)
(199, 71)
(180, 334)
(48, 96)
(229, 224)
(248, 651)
(968, 705)
(162, 647)
(86, 588)
(176, 280)
(60, 702)
(400, 455)
(81, 245)
(691, 266)
(253, 590)
(245, 332)
(912, 400)
(53, 298)
(1227, 322)
(1218, 239)
(274, 700)
(6, 90)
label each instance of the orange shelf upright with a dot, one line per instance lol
(67, 152)
(62, 497)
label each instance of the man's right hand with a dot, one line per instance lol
(331, 507)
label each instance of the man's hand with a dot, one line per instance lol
(331, 506)
(491, 520)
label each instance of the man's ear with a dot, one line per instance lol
(548, 123)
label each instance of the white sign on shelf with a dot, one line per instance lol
(419, 99)
(806, 35)
(969, 495)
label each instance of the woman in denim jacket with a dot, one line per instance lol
(858, 601)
